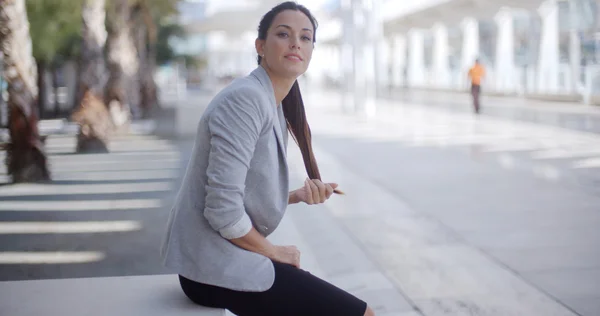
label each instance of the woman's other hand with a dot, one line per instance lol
(315, 191)
(287, 254)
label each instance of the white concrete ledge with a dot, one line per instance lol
(154, 295)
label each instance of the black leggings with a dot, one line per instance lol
(295, 292)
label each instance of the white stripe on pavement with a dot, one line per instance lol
(28, 189)
(506, 161)
(112, 155)
(547, 172)
(587, 163)
(115, 155)
(93, 167)
(165, 174)
(116, 137)
(514, 145)
(115, 149)
(112, 165)
(591, 150)
(68, 227)
(50, 257)
(85, 205)
(117, 175)
(72, 142)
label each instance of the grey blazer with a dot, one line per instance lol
(237, 178)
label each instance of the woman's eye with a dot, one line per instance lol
(306, 38)
(282, 34)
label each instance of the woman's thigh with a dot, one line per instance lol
(294, 292)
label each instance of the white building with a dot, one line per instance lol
(537, 48)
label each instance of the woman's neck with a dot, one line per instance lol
(281, 86)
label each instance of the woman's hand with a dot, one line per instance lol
(314, 191)
(287, 254)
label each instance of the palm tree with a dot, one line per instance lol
(128, 81)
(93, 72)
(147, 16)
(122, 90)
(145, 42)
(55, 27)
(26, 160)
(91, 114)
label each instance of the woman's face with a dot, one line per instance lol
(288, 47)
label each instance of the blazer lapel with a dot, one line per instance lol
(263, 78)
(278, 127)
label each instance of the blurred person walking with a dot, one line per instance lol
(235, 190)
(476, 73)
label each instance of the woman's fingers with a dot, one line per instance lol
(309, 193)
(322, 190)
(329, 190)
(297, 264)
(317, 191)
(296, 256)
(314, 190)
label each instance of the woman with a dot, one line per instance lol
(235, 190)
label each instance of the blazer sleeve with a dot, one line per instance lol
(234, 127)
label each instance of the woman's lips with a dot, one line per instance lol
(293, 57)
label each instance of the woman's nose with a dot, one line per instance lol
(294, 43)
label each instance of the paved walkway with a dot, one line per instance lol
(104, 215)
(549, 151)
(574, 116)
(483, 235)
(427, 250)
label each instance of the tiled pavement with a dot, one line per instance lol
(408, 261)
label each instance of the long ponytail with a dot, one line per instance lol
(295, 116)
(293, 106)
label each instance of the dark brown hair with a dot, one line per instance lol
(293, 106)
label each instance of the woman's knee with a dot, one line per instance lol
(369, 312)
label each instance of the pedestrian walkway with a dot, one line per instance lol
(92, 218)
(437, 272)
(570, 115)
(548, 151)
(405, 237)
(481, 235)
(104, 215)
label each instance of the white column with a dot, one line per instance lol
(363, 54)
(470, 46)
(336, 53)
(416, 58)
(331, 63)
(505, 59)
(216, 61)
(398, 59)
(548, 61)
(347, 56)
(378, 44)
(382, 65)
(441, 67)
(363, 31)
(575, 60)
(360, 88)
(574, 47)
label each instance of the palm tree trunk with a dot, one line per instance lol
(122, 91)
(55, 86)
(26, 160)
(93, 117)
(93, 73)
(145, 40)
(42, 91)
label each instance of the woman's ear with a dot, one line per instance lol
(260, 47)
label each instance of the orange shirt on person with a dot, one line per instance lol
(476, 73)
